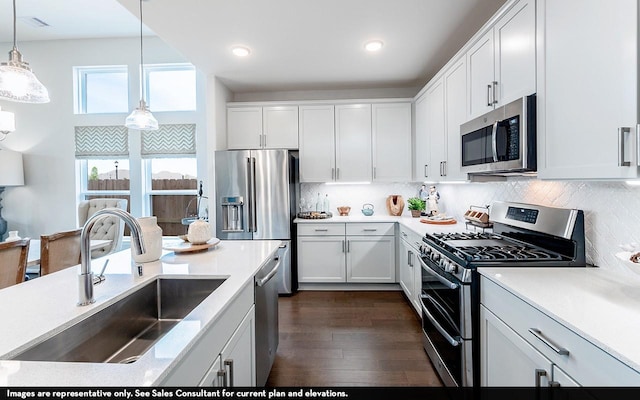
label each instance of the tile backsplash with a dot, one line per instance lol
(612, 209)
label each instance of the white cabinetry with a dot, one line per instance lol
(455, 109)
(391, 135)
(409, 267)
(435, 130)
(502, 63)
(353, 143)
(588, 105)
(522, 346)
(236, 366)
(272, 127)
(422, 154)
(317, 143)
(354, 252)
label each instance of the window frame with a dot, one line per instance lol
(80, 86)
(163, 67)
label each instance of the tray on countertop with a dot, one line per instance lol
(181, 246)
(314, 215)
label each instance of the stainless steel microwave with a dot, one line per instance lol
(503, 141)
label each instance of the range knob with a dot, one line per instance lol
(452, 268)
(435, 256)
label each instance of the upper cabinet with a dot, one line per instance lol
(353, 143)
(588, 105)
(455, 105)
(391, 134)
(317, 143)
(502, 63)
(273, 127)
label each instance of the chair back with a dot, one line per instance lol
(59, 250)
(13, 262)
(108, 227)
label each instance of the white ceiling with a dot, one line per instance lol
(295, 44)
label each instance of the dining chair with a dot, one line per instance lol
(13, 262)
(108, 227)
(59, 250)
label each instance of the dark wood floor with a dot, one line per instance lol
(353, 338)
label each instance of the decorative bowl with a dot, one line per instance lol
(344, 210)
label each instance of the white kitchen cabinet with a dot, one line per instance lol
(317, 143)
(409, 268)
(391, 134)
(353, 143)
(352, 252)
(588, 105)
(513, 331)
(235, 366)
(435, 129)
(455, 91)
(269, 127)
(421, 152)
(502, 63)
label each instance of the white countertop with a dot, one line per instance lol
(37, 309)
(603, 309)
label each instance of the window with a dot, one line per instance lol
(170, 87)
(101, 90)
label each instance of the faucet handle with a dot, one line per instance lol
(139, 269)
(100, 278)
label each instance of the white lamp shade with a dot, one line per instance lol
(7, 121)
(11, 170)
(21, 85)
(141, 119)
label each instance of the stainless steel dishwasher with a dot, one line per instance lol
(266, 298)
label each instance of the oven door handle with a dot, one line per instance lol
(439, 307)
(453, 341)
(443, 280)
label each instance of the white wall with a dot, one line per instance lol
(45, 132)
(612, 209)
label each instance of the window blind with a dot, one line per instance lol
(101, 142)
(171, 140)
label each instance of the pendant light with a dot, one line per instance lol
(17, 82)
(141, 118)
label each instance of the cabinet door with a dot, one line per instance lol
(280, 127)
(589, 66)
(421, 155)
(244, 127)
(391, 142)
(215, 376)
(237, 358)
(406, 259)
(515, 52)
(317, 143)
(506, 358)
(455, 89)
(436, 130)
(480, 59)
(321, 259)
(560, 378)
(353, 143)
(371, 259)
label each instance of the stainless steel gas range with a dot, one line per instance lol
(524, 235)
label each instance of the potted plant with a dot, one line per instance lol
(416, 205)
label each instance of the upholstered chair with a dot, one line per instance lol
(59, 250)
(13, 262)
(107, 228)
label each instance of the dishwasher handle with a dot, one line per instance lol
(271, 274)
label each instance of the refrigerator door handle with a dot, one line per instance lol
(252, 195)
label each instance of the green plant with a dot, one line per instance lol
(416, 203)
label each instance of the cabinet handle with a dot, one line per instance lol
(621, 133)
(409, 258)
(489, 103)
(426, 170)
(321, 230)
(495, 97)
(554, 384)
(374, 172)
(348, 245)
(538, 334)
(444, 168)
(343, 249)
(370, 230)
(337, 174)
(265, 141)
(404, 234)
(539, 373)
(229, 363)
(222, 374)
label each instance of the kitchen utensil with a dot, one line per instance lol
(344, 210)
(367, 209)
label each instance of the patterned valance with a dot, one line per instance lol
(102, 142)
(178, 140)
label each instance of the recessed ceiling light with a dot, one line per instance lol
(241, 51)
(373, 45)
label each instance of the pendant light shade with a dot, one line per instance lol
(141, 118)
(17, 82)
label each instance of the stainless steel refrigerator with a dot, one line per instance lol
(256, 199)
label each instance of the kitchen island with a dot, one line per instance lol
(38, 309)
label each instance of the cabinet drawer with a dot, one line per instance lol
(320, 229)
(586, 363)
(371, 229)
(412, 238)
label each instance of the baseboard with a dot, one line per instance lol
(350, 286)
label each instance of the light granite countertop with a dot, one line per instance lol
(598, 306)
(35, 310)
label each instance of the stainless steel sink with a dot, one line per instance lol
(125, 330)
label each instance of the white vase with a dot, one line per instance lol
(151, 238)
(199, 232)
(13, 236)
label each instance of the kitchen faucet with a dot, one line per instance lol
(85, 283)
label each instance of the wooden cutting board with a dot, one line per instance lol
(449, 221)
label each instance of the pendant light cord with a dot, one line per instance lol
(142, 78)
(14, 25)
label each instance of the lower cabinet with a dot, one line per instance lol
(522, 346)
(352, 252)
(409, 267)
(236, 364)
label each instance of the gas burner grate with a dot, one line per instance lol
(506, 252)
